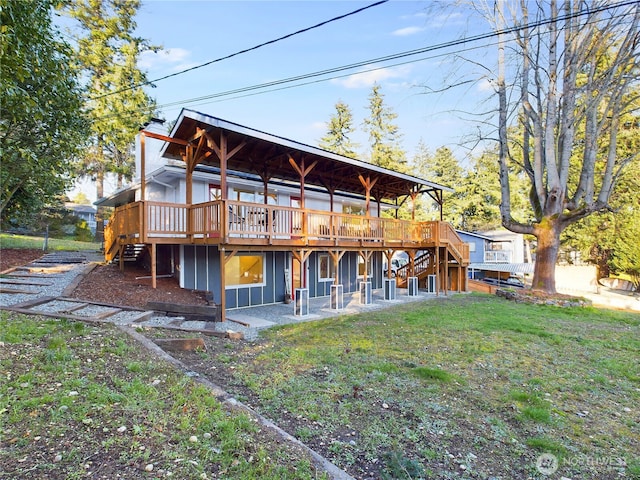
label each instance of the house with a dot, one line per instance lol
(256, 218)
(496, 254)
(84, 212)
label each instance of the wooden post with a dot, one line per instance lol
(223, 166)
(223, 286)
(368, 184)
(121, 257)
(142, 167)
(154, 268)
(302, 171)
(437, 270)
(336, 256)
(188, 160)
(446, 270)
(389, 255)
(412, 263)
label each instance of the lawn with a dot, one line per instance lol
(470, 386)
(8, 240)
(80, 401)
(465, 387)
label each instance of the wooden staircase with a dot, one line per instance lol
(423, 266)
(131, 252)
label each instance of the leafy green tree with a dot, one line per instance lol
(41, 121)
(384, 134)
(337, 139)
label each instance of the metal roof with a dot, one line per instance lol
(503, 267)
(268, 155)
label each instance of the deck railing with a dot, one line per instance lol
(242, 223)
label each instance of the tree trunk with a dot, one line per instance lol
(548, 235)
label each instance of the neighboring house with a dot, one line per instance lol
(84, 212)
(257, 219)
(496, 254)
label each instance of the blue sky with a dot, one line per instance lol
(194, 32)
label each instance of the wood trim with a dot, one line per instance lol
(164, 138)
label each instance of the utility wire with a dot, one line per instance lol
(396, 56)
(274, 83)
(149, 82)
(387, 58)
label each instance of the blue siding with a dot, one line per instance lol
(201, 271)
(478, 255)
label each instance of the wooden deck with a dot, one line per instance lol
(250, 226)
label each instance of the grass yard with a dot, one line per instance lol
(8, 240)
(469, 387)
(464, 387)
(81, 401)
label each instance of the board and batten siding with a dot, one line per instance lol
(199, 268)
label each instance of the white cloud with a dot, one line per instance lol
(405, 32)
(448, 19)
(171, 58)
(485, 85)
(366, 79)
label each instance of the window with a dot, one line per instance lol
(353, 210)
(242, 270)
(250, 196)
(215, 193)
(326, 270)
(472, 246)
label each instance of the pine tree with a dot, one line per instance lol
(107, 55)
(443, 168)
(340, 127)
(384, 135)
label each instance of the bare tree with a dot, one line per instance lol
(575, 76)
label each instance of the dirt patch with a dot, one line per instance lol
(107, 284)
(132, 288)
(540, 298)
(16, 257)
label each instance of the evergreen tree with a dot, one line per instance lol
(384, 135)
(337, 139)
(107, 55)
(480, 196)
(41, 122)
(600, 238)
(443, 168)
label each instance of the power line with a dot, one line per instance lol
(396, 56)
(242, 92)
(149, 82)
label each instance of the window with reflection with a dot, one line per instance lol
(242, 270)
(326, 270)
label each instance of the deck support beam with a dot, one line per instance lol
(154, 265)
(336, 256)
(389, 255)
